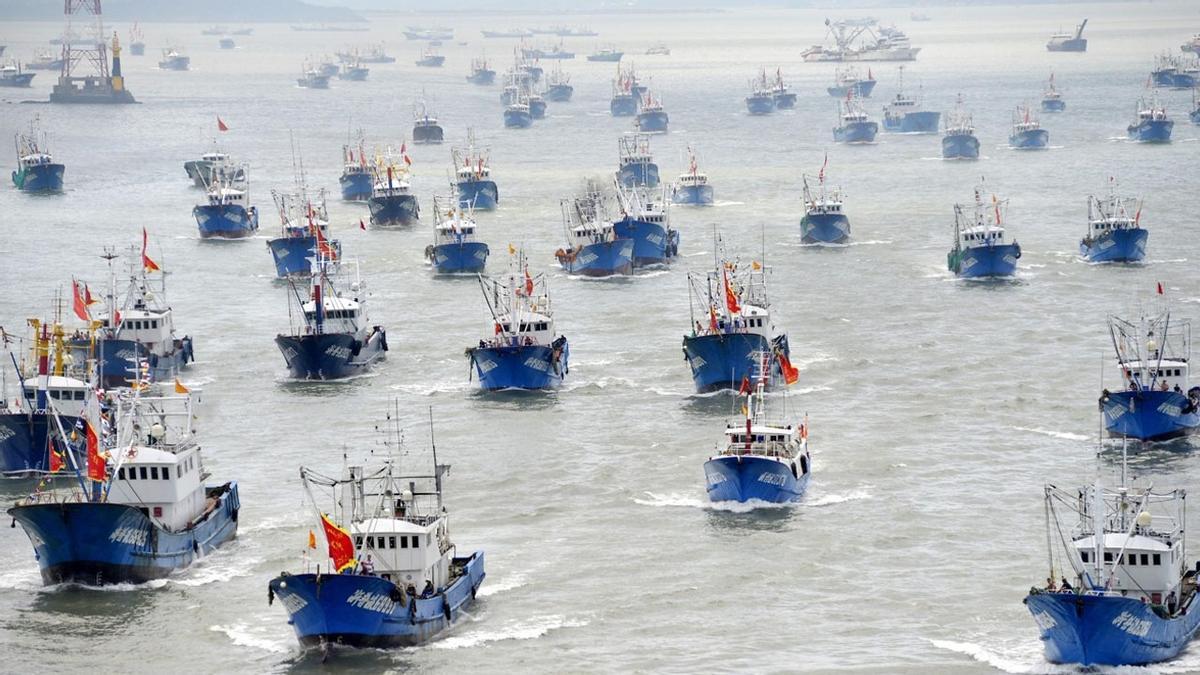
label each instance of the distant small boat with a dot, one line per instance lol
(537, 105)
(624, 101)
(1151, 123)
(226, 212)
(959, 141)
(481, 73)
(431, 59)
(635, 162)
(358, 174)
(11, 76)
(658, 50)
(313, 79)
(372, 54)
(354, 72)
(392, 201)
(785, 99)
(516, 115)
(824, 220)
(473, 177)
(905, 115)
(455, 248)
(1069, 42)
(854, 125)
(981, 246)
(567, 31)
(226, 43)
(510, 33)
(1114, 229)
(173, 60)
(593, 248)
(1192, 45)
(429, 34)
(606, 54)
(692, 188)
(1052, 100)
(45, 61)
(137, 42)
(846, 80)
(213, 165)
(426, 129)
(651, 117)
(1027, 132)
(36, 169)
(1175, 72)
(555, 52)
(558, 86)
(761, 100)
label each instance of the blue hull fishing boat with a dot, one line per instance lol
(392, 202)
(623, 104)
(848, 83)
(1151, 124)
(473, 177)
(1052, 100)
(1114, 231)
(1027, 132)
(981, 248)
(523, 351)
(761, 100)
(302, 219)
(904, 115)
(1155, 402)
(593, 248)
(391, 576)
(824, 220)
(652, 118)
(959, 141)
(537, 106)
(1131, 600)
(358, 175)
(139, 510)
(333, 337)
(785, 99)
(646, 221)
(227, 213)
(454, 249)
(36, 169)
(692, 188)
(426, 129)
(761, 460)
(558, 85)
(481, 73)
(724, 349)
(517, 116)
(855, 125)
(635, 162)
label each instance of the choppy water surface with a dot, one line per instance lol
(938, 408)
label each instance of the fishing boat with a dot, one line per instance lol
(635, 162)
(646, 219)
(358, 174)
(556, 52)
(481, 73)
(846, 80)
(658, 50)
(824, 220)
(371, 54)
(330, 335)
(1172, 72)
(1155, 401)
(381, 544)
(692, 188)
(1114, 229)
(45, 60)
(517, 115)
(959, 141)
(304, 222)
(855, 126)
(429, 34)
(520, 349)
(1151, 124)
(11, 75)
(861, 40)
(173, 60)
(429, 58)
(1068, 42)
(313, 78)
(593, 248)
(536, 103)
(392, 201)
(651, 117)
(1027, 132)
(36, 169)
(785, 99)
(426, 129)
(455, 248)
(1131, 600)
(510, 33)
(137, 508)
(732, 328)
(567, 31)
(354, 71)
(473, 176)
(226, 212)
(624, 102)
(137, 41)
(558, 85)
(761, 459)
(212, 166)
(981, 246)
(761, 100)
(1052, 100)
(903, 114)
(606, 55)
(226, 43)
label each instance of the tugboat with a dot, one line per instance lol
(784, 98)
(426, 129)
(959, 141)
(137, 509)
(313, 78)
(137, 42)
(846, 80)
(558, 85)
(354, 71)
(331, 336)
(1052, 100)
(520, 350)
(454, 249)
(981, 249)
(692, 188)
(732, 329)
(36, 169)
(651, 118)
(358, 175)
(624, 102)
(393, 536)
(903, 115)
(226, 213)
(761, 100)
(173, 60)
(516, 114)
(824, 221)
(481, 74)
(636, 167)
(1155, 401)
(606, 54)
(761, 460)
(1130, 604)
(305, 223)
(1027, 132)
(1151, 124)
(1114, 231)
(1068, 42)
(473, 177)
(392, 202)
(645, 218)
(593, 247)
(12, 76)
(856, 126)
(431, 59)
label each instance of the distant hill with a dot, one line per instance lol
(200, 11)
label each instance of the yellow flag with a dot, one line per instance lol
(312, 539)
(512, 250)
(755, 266)
(179, 388)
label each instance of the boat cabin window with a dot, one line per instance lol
(1157, 559)
(166, 473)
(391, 542)
(1145, 559)
(154, 473)
(416, 541)
(1083, 555)
(1108, 556)
(403, 542)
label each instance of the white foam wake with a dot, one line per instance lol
(525, 630)
(244, 636)
(691, 502)
(832, 499)
(508, 583)
(1064, 435)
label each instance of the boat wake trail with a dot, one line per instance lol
(1064, 435)
(1024, 659)
(524, 630)
(690, 502)
(209, 570)
(243, 635)
(510, 582)
(833, 499)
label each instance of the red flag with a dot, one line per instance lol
(221, 126)
(341, 547)
(790, 374)
(1160, 288)
(821, 175)
(361, 224)
(712, 319)
(731, 298)
(95, 460)
(403, 148)
(407, 160)
(80, 303)
(147, 264)
(323, 245)
(1137, 217)
(87, 295)
(745, 388)
(56, 459)
(528, 283)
